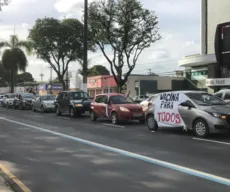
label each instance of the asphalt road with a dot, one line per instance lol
(59, 154)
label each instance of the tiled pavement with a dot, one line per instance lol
(3, 186)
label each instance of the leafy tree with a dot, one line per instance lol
(125, 27)
(25, 77)
(58, 42)
(13, 57)
(3, 3)
(98, 70)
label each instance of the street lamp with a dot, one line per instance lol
(85, 57)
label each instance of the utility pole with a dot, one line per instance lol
(150, 71)
(85, 57)
(67, 80)
(51, 92)
(41, 75)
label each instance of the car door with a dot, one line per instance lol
(104, 106)
(187, 111)
(227, 97)
(59, 101)
(35, 102)
(65, 102)
(96, 105)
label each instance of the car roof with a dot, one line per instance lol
(73, 91)
(188, 91)
(223, 90)
(110, 94)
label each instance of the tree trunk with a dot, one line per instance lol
(119, 88)
(12, 81)
(63, 84)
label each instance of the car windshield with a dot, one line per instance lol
(47, 98)
(28, 96)
(78, 95)
(120, 99)
(205, 99)
(11, 95)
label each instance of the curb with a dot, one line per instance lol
(15, 184)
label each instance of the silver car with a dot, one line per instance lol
(200, 112)
(43, 103)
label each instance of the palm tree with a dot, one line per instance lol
(13, 58)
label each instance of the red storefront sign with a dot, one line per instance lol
(101, 81)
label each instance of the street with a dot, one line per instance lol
(59, 154)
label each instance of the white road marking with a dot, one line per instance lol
(189, 171)
(111, 125)
(211, 141)
(153, 131)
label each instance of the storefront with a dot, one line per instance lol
(49, 89)
(221, 83)
(211, 68)
(101, 84)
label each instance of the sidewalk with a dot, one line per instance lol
(3, 186)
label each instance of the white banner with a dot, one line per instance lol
(166, 109)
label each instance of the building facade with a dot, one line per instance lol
(138, 84)
(203, 68)
(45, 89)
(101, 84)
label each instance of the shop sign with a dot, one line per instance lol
(92, 82)
(218, 82)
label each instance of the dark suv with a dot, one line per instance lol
(73, 103)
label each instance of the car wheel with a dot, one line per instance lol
(33, 109)
(93, 116)
(20, 107)
(151, 123)
(200, 128)
(71, 112)
(43, 109)
(58, 113)
(114, 118)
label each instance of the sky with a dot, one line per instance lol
(179, 26)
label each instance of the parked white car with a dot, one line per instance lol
(140, 98)
(147, 102)
(8, 100)
(1, 99)
(224, 94)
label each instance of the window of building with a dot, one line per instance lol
(225, 71)
(197, 75)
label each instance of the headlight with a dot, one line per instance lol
(78, 105)
(217, 115)
(124, 109)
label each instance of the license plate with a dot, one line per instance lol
(137, 115)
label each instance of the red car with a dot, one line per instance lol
(117, 107)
